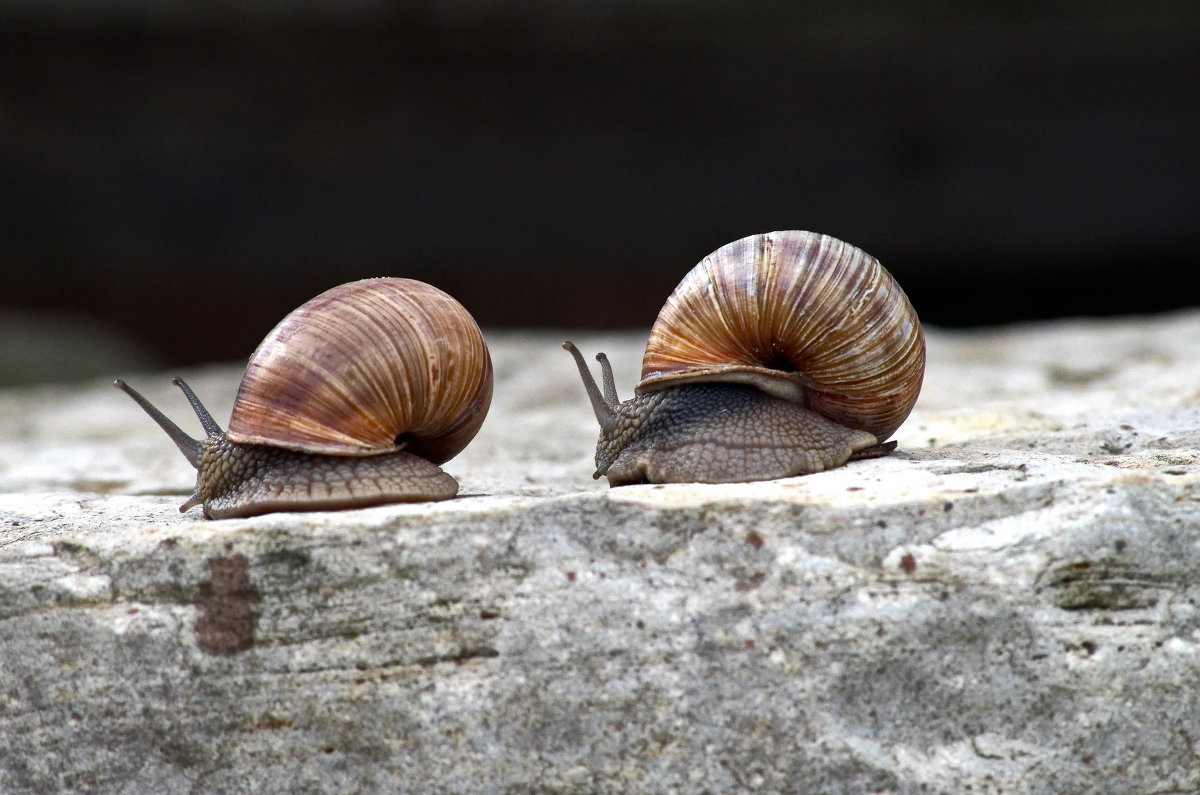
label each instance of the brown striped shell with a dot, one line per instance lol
(368, 367)
(801, 315)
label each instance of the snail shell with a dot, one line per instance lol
(352, 400)
(365, 368)
(778, 354)
(799, 314)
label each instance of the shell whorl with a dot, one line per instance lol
(801, 309)
(368, 367)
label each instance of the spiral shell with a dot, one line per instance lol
(796, 309)
(368, 367)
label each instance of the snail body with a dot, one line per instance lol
(779, 354)
(352, 400)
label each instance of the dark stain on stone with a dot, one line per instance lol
(463, 655)
(271, 723)
(750, 580)
(293, 559)
(98, 485)
(75, 552)
(228, 607)
(1077, 376)
(754, 539)
(1104, 584)
(62, 548)
(908, 564)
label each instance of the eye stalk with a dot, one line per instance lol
(603, 404)
(191, 448)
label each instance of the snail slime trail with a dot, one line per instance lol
(779, 354)
(353, 399)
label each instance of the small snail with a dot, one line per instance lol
(352, 400)
(779, 354)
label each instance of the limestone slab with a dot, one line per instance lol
(1011, 603)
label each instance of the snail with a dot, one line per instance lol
(352, 400)
(779, 354)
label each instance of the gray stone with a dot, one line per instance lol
(1010, 603)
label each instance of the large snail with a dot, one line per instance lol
(352, 400)
(779, 354)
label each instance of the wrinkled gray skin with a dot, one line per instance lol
(713, 433)
(235, 479)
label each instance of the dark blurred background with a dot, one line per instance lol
(186, 172)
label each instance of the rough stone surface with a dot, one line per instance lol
(1011, 603)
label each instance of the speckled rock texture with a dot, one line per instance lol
(1010, 603)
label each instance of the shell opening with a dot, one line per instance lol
(779, 362)
(786, 385)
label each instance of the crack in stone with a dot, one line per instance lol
(463, 655)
